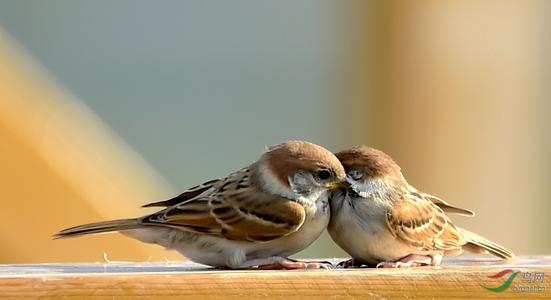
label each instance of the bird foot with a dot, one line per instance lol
(283, 263)
(349, 264)
(412, 260)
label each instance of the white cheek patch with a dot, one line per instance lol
(370, 188)
(272, 185)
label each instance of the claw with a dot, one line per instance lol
(283, 263)
(395, 264)
(351, 263)
(327, 265)
(412, 260)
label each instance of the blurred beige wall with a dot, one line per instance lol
(457, 92)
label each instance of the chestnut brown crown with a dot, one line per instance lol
(288, 157)
(363, 162)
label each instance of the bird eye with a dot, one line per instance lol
(355, 174)
(323, 174)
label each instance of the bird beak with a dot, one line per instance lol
(344, 184)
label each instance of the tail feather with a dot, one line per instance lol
(478, 244)
(99, 227)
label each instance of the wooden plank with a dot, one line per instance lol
(457, 278)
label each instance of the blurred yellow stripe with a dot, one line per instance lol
(62, 166)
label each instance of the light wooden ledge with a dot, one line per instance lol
(457, 278)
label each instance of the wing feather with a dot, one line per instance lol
(446, 207)
(421, 223)
(186, 195)
(234, 209)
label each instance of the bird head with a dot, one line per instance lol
(370, 171)
(300, 169)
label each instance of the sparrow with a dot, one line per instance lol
(382, 221)
(253, 218)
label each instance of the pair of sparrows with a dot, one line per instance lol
(280, 204)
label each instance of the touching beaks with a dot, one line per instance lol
(344, 184)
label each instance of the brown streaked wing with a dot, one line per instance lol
(186, 195)
(235, 210)
(257, 216)
(422, 224)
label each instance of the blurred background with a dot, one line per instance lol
(108, 105)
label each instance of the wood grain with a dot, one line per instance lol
(457, 278)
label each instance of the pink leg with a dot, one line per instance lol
(412, 260)
(281, 263)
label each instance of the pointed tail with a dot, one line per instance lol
(99, 227)
(478, 244)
